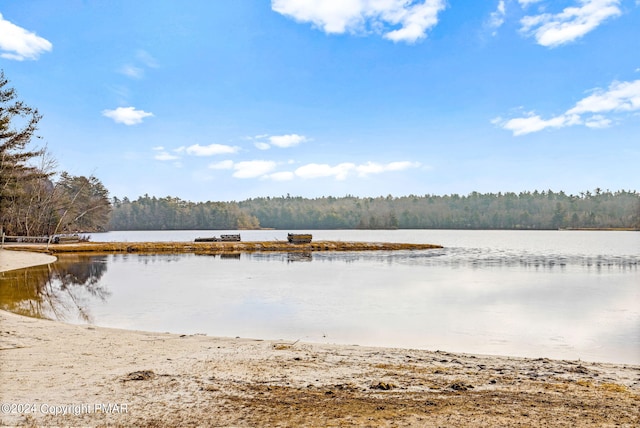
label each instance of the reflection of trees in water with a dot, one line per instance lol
(56, 291)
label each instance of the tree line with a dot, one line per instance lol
(525, 210)
(35, 198)
(151, 213)
(38, 200)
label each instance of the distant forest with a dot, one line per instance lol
(38, 200)
(526, 210)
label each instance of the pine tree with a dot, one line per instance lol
(18, 124)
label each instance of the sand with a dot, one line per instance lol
(56, 374)
(10, 260)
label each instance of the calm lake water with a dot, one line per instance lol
(557, 294)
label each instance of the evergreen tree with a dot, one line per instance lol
(18, 124)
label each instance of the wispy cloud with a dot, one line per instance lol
(341, 171)
(265, 142)
(496, 19)
(414, 18)
(143, 61)
(532, 122)
(281, 176)
(260, 145)
(377, 168)
(126, 115)
(266, 169)
(620, 97)
(253, 169)
(314, 170)
(165, 156)
(132, 71)
(210, 150)
(146, 59)
(225, 164)
(572, 23)
(525, 3)
(19, 44)
(598, 121)
(287, 140)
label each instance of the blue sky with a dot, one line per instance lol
(232, 99)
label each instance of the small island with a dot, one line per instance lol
(217, 247)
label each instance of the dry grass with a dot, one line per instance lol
(216, 247)
(334, 406)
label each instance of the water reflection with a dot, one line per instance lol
(463, 258)
(61, 291)
(230, 256)
(495, 301)
(303, 256)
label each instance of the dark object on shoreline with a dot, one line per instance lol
(222, 238)
(69, 239)
(299, 238)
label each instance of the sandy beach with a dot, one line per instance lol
(56, 374)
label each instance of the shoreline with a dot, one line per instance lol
(159, 379)
(215, 247)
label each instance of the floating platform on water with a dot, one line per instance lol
(299, 238)
(217, 247)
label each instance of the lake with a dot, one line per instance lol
(556, 294)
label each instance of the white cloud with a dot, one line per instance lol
(165, 156)
(377, 168)
(253, 169)
(146, 58)
(597, 121)
(314, 170)
(281, 176)
(572, 23)
(289, 140)
(356, 16)
(132, 71)
(225, 164)
(126, 115)
(282, 141)
(496, 19)
(264, 169)
(525, 3)
(262, 146)
(415, 20)
(531, 123)
(342, 170)
(619, 97)
(18, 44)
(210, 150)
(137, 71)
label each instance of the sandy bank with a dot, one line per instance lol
(102, 376)
(10, 260)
